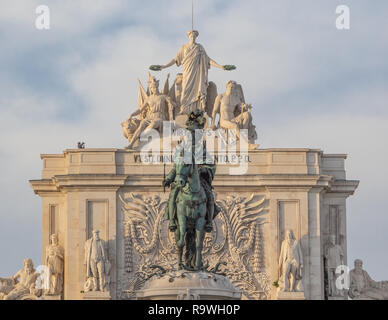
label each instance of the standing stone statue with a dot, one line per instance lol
(363, 287)
(196, 64)
(54, 262)
(334, 258)
(97, 264)
(15, 290)
(290, 264)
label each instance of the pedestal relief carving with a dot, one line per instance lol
(236, 239)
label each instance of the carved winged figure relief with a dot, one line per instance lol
(236, 239)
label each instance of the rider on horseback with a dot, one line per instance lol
(206, 174)
(191, 207)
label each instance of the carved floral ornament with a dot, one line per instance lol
(236, 239)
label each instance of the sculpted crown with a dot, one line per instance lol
(152, 80)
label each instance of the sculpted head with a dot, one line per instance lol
(230, 86)
(96, 234)
(28, 265)
(153, 84)
(289, 235)
(192, 35)
(358, 264)
(54, 239)
(332, 239)
(153, 88)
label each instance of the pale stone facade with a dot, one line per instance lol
(303, 190)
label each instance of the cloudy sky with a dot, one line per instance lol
(311, 86)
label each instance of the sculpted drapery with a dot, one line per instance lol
(196, 64)
(54, 261)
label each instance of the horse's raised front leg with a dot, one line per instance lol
(199, 235)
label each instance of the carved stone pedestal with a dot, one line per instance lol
(290, 295)
(188, 285)
(96, 295)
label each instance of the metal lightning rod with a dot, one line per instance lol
(192, 14)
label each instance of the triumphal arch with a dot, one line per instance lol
(274, 211)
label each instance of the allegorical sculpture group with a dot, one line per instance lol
(29, 284)
(190, 91)
(191, 207)
(48, 282)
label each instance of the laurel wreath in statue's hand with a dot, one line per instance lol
(156, 67)
(229, 67)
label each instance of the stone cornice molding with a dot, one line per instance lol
(76, 181)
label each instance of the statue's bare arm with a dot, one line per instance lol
(371, 282)
(134, 114)
(139, 111)
(16, 277)
(227, 67)
(171, 63)
(212, 62)
(215, 64)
